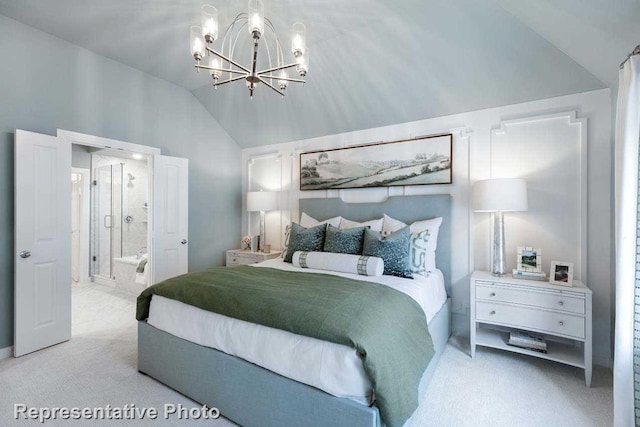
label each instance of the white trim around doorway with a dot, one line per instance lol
(99, 142)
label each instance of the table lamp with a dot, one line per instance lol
(262, 201)
(499, 196)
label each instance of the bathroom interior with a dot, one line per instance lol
(110, 212)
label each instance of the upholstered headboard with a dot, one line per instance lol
(404, 208)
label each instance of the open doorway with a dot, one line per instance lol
(43, 233)
(110, 214)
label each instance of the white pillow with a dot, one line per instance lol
(390, 225)
(343, 263)
(423, 246)
(307, 222)
(374, 224)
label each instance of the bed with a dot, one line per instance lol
(253, 396)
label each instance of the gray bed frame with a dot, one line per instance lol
(253, 396)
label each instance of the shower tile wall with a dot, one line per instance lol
(134, 236)
(134, 233)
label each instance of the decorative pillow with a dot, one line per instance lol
(433, 227)
(344, 241)
(305, 239)
(393, 249)
(419, 252)
(307, 222)
(344, 263)
(374, 224)
(287, 236)
(391, 225)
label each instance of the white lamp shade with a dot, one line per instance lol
(500, 195)
(262, 201)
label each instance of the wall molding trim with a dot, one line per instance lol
(573, 129)
(6, 352)
(543, 126)
(100, 142)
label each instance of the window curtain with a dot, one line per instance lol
(626, 372)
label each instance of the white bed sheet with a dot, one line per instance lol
(333, 368)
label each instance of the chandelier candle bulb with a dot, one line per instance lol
(303, 64)
(197, 43)
(256, 18)
(216, 74)
(282, 84)
(209, 23)
(298, 39)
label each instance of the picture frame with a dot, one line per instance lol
(561, 273)
(424, 160)
(529, 259)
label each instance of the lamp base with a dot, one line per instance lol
(262, 233)
(498, 269)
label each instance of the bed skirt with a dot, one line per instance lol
(253, 396)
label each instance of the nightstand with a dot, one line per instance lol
(562, 314)
(245, 257)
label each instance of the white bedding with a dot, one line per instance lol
(333, 368)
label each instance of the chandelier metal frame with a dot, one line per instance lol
(257, 27)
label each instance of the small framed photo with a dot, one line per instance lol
(561, 273)
(529, 259)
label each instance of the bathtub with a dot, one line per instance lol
(124, 270)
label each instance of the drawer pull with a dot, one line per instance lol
(234, 260)
(492, 294)
(561, 303)
(561, 323)
(492, 312)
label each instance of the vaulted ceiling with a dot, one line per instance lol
(373, 62)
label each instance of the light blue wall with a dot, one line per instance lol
(46, 83)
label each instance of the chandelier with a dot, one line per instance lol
(223, 62)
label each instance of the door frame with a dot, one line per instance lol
(84, 224)
(114, 144)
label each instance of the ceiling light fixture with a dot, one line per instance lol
(223, 61)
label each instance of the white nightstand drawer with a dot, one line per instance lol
(241, 260)
(531, 318)
(549, 300)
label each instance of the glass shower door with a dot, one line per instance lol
(106, 219)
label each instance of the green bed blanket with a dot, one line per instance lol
(386, 327)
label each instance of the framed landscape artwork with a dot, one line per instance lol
(421, 161)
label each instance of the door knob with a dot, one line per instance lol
(184, 241)
(25, 254)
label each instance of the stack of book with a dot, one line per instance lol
(529, 275)
(528, 340)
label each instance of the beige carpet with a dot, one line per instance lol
(98, 367)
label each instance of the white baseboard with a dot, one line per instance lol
(6, 353)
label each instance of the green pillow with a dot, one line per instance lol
(393, 249)
(344, 241)
(305, 239)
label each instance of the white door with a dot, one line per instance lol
(170, 217)
(42, 241)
